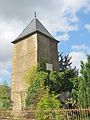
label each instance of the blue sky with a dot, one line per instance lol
(79, 37)
(68, 21)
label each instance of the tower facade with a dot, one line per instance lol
(31, 46)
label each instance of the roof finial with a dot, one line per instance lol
(35, 14)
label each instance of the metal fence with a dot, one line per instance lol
(61, 114)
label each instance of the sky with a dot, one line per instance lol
(67, 20)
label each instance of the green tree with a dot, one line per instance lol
(64, 62)
(84, 85)
(56, 81)
(62, 80)
(4, 96)
(37, 92)
(36, 89)
(30, 75)
(48, 102)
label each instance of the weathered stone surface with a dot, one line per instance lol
(47, 49)
(25, 55)
(28, 52)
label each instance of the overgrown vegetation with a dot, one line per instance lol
(63, 81)
(36, 89)
(4, 96)
(83, 93)
(47, 88)
(47, 102)
(57, 82)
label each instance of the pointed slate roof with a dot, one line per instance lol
(34, 27)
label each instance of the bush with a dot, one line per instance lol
(45, 105)
(36, 90)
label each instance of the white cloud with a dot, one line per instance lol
(62, 16)
(59, 25)
(77, 57)
(5, 65)
(79, 47)
(64, 37)
(78, 54)
(87, 6)
(0, 80)
(87, 27)
(5, 73)
(76, 5)
(8, 32)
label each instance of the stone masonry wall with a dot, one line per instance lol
(47, 49)
(25, 55)
(28, 52)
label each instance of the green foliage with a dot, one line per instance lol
(56, 81)
(35, 90)
(47, 102)
(84, 85)
(74, 92)
(60, 81)
(64, 62)
(42, 66)
(66, 79)
(30, 76)
(4, 97)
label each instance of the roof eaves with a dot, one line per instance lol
(19, 39)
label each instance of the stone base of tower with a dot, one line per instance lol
(18, 104)
(18, 100)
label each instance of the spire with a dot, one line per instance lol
(35, 15)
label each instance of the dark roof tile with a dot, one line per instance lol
(34, 26)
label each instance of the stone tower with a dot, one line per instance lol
(30, 47)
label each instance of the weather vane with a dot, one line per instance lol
(35, 14)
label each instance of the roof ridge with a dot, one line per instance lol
(44, 28)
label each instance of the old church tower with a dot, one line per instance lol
(30, 47)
